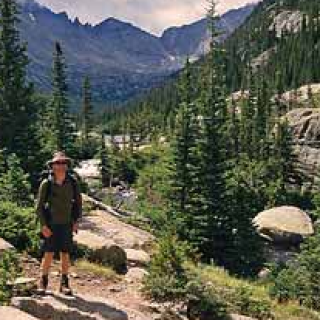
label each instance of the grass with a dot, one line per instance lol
(289, 311)
(97, 270)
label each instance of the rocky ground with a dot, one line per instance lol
(97, 295)
(119, 297)
(94, 298)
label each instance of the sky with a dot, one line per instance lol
(151, 15)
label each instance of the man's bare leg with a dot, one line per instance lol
(45, 268)
(46, 262)
(65, 263)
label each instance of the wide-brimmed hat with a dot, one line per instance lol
(59, 156)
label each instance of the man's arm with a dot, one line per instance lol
(41, 202)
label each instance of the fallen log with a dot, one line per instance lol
(100, 205)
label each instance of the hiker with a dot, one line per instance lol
(59, 207)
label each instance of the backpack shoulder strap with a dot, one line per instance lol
(76, 210)
(74, 185)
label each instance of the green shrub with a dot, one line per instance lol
(202, 302)
(18, 226)
(155, 217)
(300, 280)
(284, 286)
(9, 270)
(167, 278)
(237, 295)
(14, 184)
(244, 302)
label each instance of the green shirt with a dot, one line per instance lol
(61, 198)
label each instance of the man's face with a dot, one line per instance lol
(60, 167)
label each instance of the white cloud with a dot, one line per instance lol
(150, 15)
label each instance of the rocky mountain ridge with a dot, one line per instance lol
(121, 59)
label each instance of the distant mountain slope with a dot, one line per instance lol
(281, 38)
(121, 59)
(193, 39)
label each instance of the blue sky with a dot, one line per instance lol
(151, 15)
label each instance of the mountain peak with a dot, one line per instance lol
(63, 14)
(113, 22)
(77, 22)
(115, 25)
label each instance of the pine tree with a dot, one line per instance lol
(228, 226)
(87, 110)
(18, 115)
(185, 196)
(262, 114)
(244, 254)
(59, 120)
(248, 111)
(114, 156)
(104, 165)
(212, 149)
(284, 159)
(234, 132)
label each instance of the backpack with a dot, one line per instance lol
(48, 174)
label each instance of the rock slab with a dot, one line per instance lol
(80, 307)
(10, 313)
(102, 250)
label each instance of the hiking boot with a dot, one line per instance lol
(64, 286)
(43, 285)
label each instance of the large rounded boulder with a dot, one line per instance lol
(284, 225)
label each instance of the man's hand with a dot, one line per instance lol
(46, 232)
(75, 227)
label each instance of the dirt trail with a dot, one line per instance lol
(123, 290)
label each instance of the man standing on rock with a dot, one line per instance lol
(59, 207)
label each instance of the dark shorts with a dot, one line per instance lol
(61, 239)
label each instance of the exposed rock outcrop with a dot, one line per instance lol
(113, 242)
(286, 20)
(305, 124)
(305, 127)
(301, 96)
